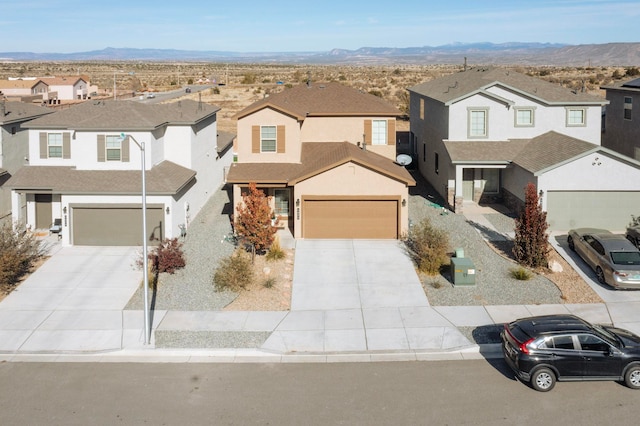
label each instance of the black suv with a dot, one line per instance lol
(543, 349)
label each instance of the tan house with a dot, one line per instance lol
(325, 154)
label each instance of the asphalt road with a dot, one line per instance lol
(399, 393)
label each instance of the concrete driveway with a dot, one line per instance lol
(74, 302)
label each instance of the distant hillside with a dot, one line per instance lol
(610, 54)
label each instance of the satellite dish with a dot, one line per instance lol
(403, 159)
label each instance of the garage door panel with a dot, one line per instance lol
(376, 219)
(591, 209)
(117, 226)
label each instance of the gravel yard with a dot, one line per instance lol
(192, 287)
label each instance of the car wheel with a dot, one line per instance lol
(600, 275)
(572, 246)
(543, 380)
(632, 377)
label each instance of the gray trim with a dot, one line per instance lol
(101, 149)
(66, 145)
(43, 145)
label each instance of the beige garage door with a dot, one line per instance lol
(115, 226)
(373, 219)
(591, 209)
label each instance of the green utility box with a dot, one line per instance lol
(462, 271)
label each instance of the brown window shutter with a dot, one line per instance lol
(101, 149)
(124, 150)
(367, 132)
(66, 145)
(280, 140)
(43, 145)
(255, 139)
(391, 132)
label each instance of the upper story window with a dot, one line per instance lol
(576, 117)
(524, 117)
(628, 104)
(379, 132)
(54, 145)
(113, 146)
(268, 138)
(478, 123)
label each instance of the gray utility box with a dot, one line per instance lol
(462, 271)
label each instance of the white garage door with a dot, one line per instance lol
(610, 210)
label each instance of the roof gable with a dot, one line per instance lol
(323, 99)
(454, 87)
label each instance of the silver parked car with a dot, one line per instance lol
(614, 259)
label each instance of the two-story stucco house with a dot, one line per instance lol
(83, 171)
(482, 134)
(24, 89)
(325, 154)
(67, 87)
(621, 130)
(14, 147)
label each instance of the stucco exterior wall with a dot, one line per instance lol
(622, 135)
(13, 151)
(351, 180)
(268, 117)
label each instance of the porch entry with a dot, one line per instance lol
(467, 184)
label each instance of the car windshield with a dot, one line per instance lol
(607, 335)
(625, 257)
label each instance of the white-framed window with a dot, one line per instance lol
(524, 117)
(576, 117)
(628, 105)
(113, 146)
(54, 145)
(478, 127)
(281, 197)
(379, 132)
(268, 138)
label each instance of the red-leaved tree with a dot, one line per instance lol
(253, 219)
(531, 245)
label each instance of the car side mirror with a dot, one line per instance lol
(612, 351)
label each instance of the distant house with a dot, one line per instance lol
(68, 88)
(50, 90)
(482, 134)
(14, 147)
(621, 131)
(82, 170)
(27, 89)
(325, 154)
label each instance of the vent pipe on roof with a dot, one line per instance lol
(465, 63)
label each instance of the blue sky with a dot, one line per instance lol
(66, 26)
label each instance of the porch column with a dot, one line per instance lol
(459, 190)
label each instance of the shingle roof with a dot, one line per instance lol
(224, 140)
(316, 158)
(165, 178)
(18, 84)
(124, 115)
(457, 86)
(551, 149)
(21, 111)
(323, 99)
(64, 80)
(535, 155)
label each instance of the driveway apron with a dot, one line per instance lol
(73, 302)
(359, 295)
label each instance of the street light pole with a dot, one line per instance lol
(145, 260)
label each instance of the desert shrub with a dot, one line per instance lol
(531, 242)
(521, 274)
(168, 256)
(18, 252)
(269, 282)
(215, 90)
(635, 221)
(275, 251)
(427, 246)
(234, 272)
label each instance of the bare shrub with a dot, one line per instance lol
(428, 247)
(234, 273)
(19, 250)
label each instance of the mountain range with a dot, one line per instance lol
(608, 54)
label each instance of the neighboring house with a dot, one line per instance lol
(621, 130)
(67, 88)
(24, 90)
(82, 171)
(482, 134)
(14, 147)
(325, 154)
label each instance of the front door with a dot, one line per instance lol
(43, 211)
(467, 184)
